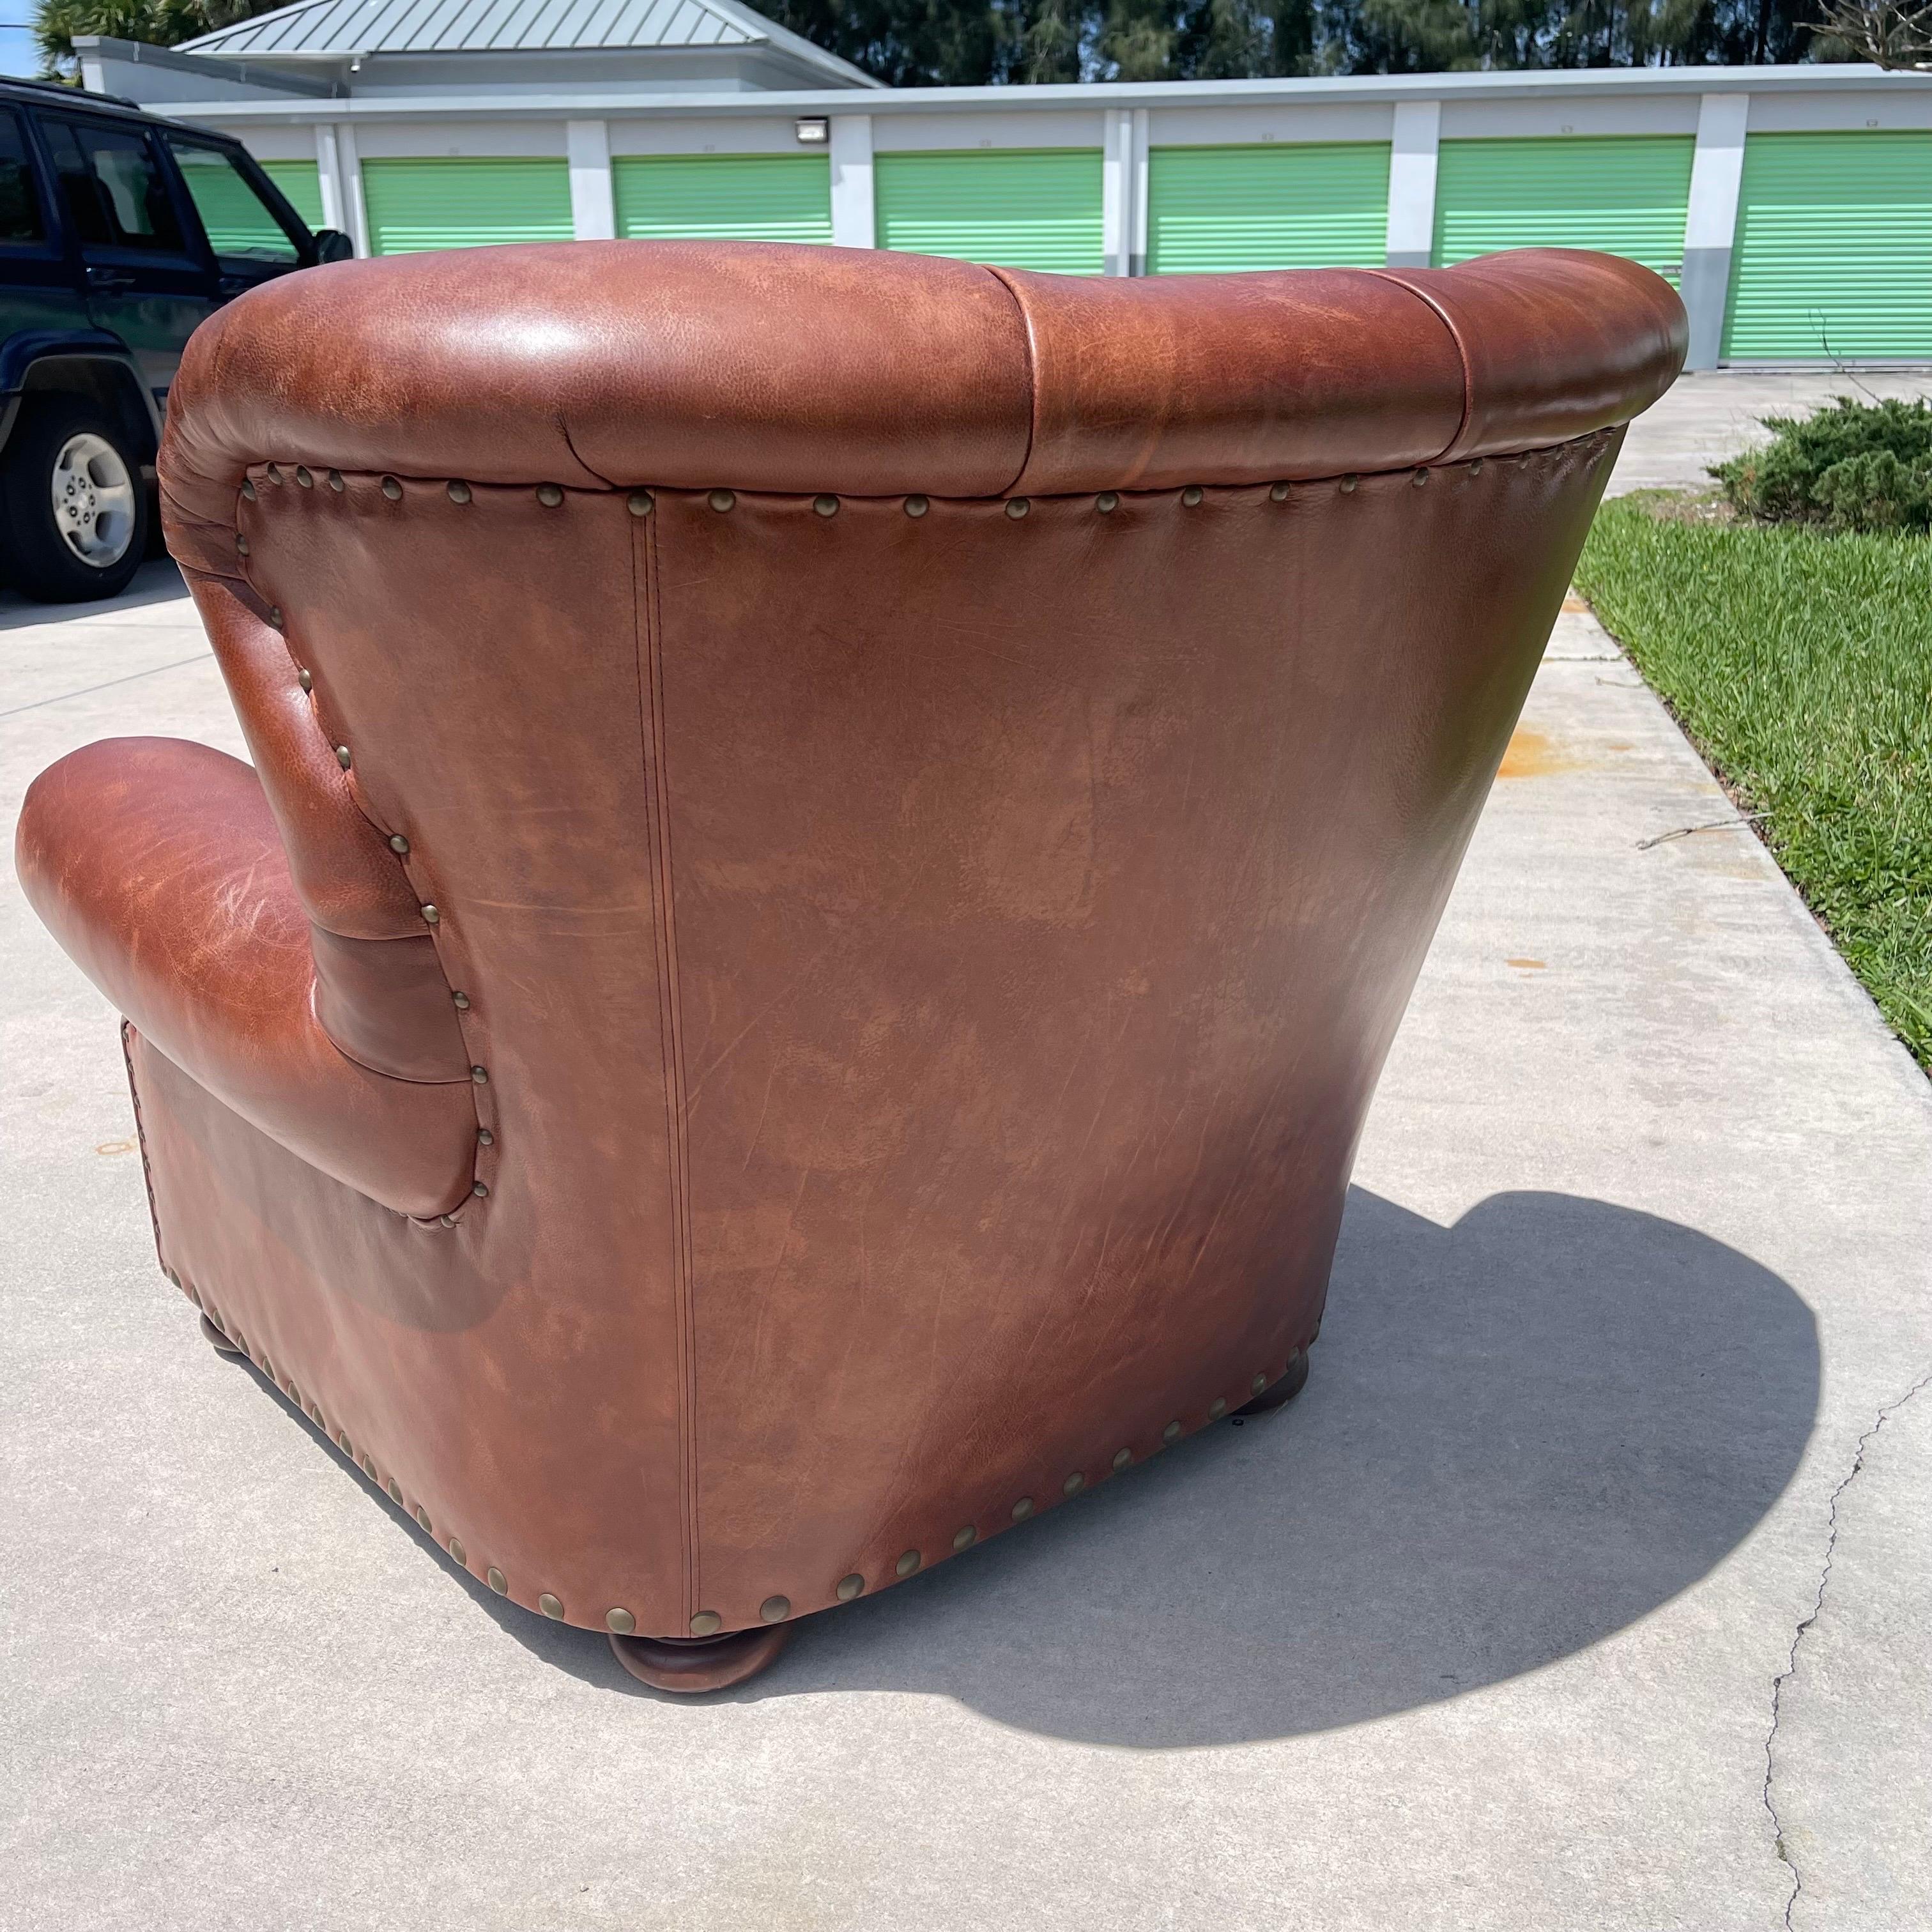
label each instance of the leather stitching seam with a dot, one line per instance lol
(141, 1137)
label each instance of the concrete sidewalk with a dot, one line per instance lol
(1496, 1626)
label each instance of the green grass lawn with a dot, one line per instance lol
(1801, 665)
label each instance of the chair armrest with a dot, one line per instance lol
(157, 864)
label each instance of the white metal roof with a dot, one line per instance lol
(324, 29)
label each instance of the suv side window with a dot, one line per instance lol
(245, 233)
(21, 220)
(113, 187)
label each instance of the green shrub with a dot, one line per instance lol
(1853, 466)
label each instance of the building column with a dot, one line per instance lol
(328, 178)
(348, 173)
(853, 222)
(1710, 228)
(1137, 253)
(1120, 190)
(593, 206)
(1411, 198)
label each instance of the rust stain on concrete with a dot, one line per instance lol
(1534, 754)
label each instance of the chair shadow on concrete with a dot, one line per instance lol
(1521, 1434)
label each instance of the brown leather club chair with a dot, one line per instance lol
(836, 842)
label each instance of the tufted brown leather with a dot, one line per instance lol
(927, 956)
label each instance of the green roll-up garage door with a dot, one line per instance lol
(1833, 256)
(464, 203)
(1031, 208)
(1285, 205)
(1628, 193)
(301, 182)
(739, 197)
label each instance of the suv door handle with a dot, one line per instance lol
(109, 278)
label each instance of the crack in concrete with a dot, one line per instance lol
(1790, 1670)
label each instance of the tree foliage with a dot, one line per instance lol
(161, 23)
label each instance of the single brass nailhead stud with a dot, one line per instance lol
(1171, 1433)
(494, 1578)
(1421, 477)
(1107, 502)
(1259, 1383)
(275, 616)
(304, 679)
(241, 545)
(247, 489)
(640, 501)
(1122, 1457)
(273, 472)
(1476, 467)
(397, 843)
(849, 1587)
(550, 1607)
(965, 1538)
(302, 477)
(775, 1610)
(1073, 1485)
(721, 500)
(1022, 1509)
(315, 1416)
(342, 1442)
(1191, 495)
(459, 492)
(1348, 483)
(422, 1518)
(549, 496)
(1017, 507)
(1278, 493)
(622, 1621)
(485, 1138)
(481, 1075)
(457, 1553)
(395, 1489)
(391, 488)
(917, 506)
(335, 482)
(460, 1001)
(430, 915)
(193, 1294)
(826, 506)
(449, 1220)
(342, 757)
(907, 1563)
(368, 1467)
(1216, 1409)
(706, 1623)
(268, 1368)
(479, 1190)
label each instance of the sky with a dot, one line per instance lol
(17, 54)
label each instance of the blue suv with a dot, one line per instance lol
(118, 233)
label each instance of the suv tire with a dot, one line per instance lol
(74, 509)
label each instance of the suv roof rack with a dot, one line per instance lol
(67, 93)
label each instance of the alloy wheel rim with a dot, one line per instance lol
(93, 500)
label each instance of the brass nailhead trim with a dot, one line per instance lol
(303, 478)
(826, 506)
(1171, 1433)
(397, 843)
(479, 1190)
(480, 1075)
(706, 1623)
(1278, 493)
(342, 757)
(640, 502)
(622, 1621)
(268, 1368)
(368, 1466)
(395, 1489)
(335, 481)
(907, 1563)
(775, 1610)
(303, 679)
(247, 490)
(449, 1220)
(1017, 507)
(1259, 1383)
(460, 1001)
(459, 492)
(391, 488)
(1073, 1485)
(430, 915)
(1216, 1409)
(241, 545)
(720, 500)
(1421, 477)
(849, 1587)
(275, 618)
(485, 1138)
(273, 472)
(1107, 502)
(422, 1518)
(342, 1442)
(458, 1553)
(549, 495)
(1191, 495)
(965, 1538)
(1122, 1457)
(1022, 1509)
(494, 1578)
(1348, 483)
(917, 506)
(550, 1607)
(1476, 467)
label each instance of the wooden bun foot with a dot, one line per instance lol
(689, 1664)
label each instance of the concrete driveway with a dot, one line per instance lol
(1587, 1586)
